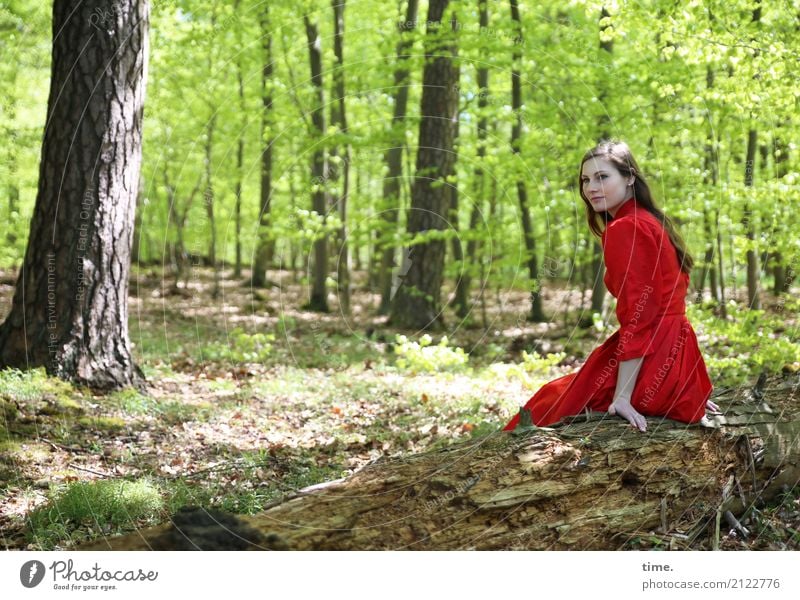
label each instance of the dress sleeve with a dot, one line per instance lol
(631, 253)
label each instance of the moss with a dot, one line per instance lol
(109, 424)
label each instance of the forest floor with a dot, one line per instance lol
(251, 398)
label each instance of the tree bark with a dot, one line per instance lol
(780, 156)
(753, 270)
(537, 314)
(70, 308)
(319, 294)
(603, 123)
(393, 157)
(589, 482)
(208, 200)
(237, 189)
(473, 242)
(416, 304)
(264, 248)
(339, 119)
(710, 178)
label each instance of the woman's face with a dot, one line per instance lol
(604, 186)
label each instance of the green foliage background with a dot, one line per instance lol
(654, 88)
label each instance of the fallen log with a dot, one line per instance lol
(590, 482)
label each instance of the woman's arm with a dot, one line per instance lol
(626, 380)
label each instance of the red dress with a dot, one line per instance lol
(643, 274)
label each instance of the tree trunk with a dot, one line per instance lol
(208, 197)
(460, 300)
(598, 265)
(480, 176)
(780, 156)
(339, 119)
(265, 246)
(710, 177)
(588, 483)
(319, 168)
(753, 301)
(416, 304)
(393, 158)
(749, 227)
(237, 190)
(11, 134)
(70, 308)
(536, 314)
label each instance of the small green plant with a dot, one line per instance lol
(533, 371)
(240, 347)
(24, 386)
(132, 402)
(91, 508)
(424, 357)
(750, 342)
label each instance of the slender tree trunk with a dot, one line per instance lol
(480, 176)
(319, 294)
(780, 156)
(460, 296)
(598, 265)
(711, 177)
(416, 304)
(749, 226)
(536, 314)
(339, 119)
(393, 158)
(70, 308)
(208, 197)
(237, 190)
(748, 217)
(265, 246)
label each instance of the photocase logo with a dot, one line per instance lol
(399, 273)
(31, 573)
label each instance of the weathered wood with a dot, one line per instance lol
(588, 483)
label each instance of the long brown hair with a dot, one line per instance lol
(619, 155)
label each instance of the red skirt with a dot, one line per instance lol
(672, 382)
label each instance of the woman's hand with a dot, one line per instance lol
(712, 407)
(621, 406)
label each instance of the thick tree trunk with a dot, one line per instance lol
(265, 247)
(393, 158)
(416, 304)
(319, 168)
(70, 308)
(590, 482)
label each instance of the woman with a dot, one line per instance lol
(651, 366)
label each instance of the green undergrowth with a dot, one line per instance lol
(748, 343)
(83, 511)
